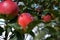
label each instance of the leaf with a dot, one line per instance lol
(50, 38)
(52, 31)
(17, 36)
(13, 38)
(32, 25)
(58, 0)
(14, 25)
(46, 11)
(13, 20)
(1, 30)
(31, 33)
(56, 13)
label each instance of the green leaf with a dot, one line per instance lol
(46, 11)
(17, 36)
(14, 25)
(56, 13)
(54, 37)
(52, 31)
(31, 33)
(32, 25)
(58, 0)
(1, 30)
(13, 38)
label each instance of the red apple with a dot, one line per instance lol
(8, 8)
(47, 18)
(24, 19)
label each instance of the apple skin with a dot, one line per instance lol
(46, 18)
(9, 8)
(24, 19)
